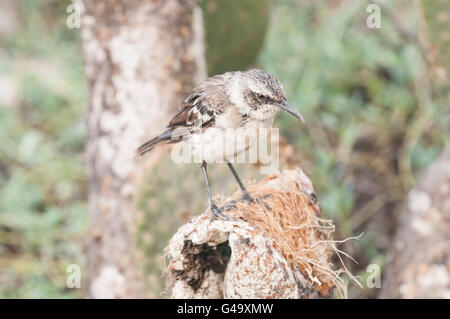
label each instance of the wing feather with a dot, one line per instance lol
(206, 102)
(198, 111)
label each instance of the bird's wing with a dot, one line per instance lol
(200, 109)
(198, 112)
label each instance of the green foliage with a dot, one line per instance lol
(371, 125)
(42, 132)
(235, 32)
(437, 17)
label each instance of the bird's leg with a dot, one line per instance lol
(215, 211)
(245, 194)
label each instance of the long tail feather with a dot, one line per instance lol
(148, 146)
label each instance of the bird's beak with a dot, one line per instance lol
(289, 108)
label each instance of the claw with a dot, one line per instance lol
(217, 212)
(250, 200)
(259, 201)
(229, 206)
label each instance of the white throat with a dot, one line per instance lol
(236, 96)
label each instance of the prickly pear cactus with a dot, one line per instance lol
(235, 32)
(437, 18)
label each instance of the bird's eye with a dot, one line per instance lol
(260, 97)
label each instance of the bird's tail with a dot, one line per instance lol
(148, 146)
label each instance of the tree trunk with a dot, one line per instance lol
(420, 256)
(142, 57)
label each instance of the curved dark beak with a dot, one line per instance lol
(289, 108)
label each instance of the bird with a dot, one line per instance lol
(224, 106)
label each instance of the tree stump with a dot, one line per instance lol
(281, 252)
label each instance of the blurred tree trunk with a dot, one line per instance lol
(420, 255)
(141, 58)
(10, 17)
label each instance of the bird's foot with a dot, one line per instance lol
(258, 200)
(217, 212)
(248, 199)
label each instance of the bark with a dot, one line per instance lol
(420, 257)
(141, 59)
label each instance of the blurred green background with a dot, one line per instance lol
(373, 125)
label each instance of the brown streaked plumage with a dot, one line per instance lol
(241, 101)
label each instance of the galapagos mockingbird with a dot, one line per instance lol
(221, 108)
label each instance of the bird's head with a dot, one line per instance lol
(260, 95)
